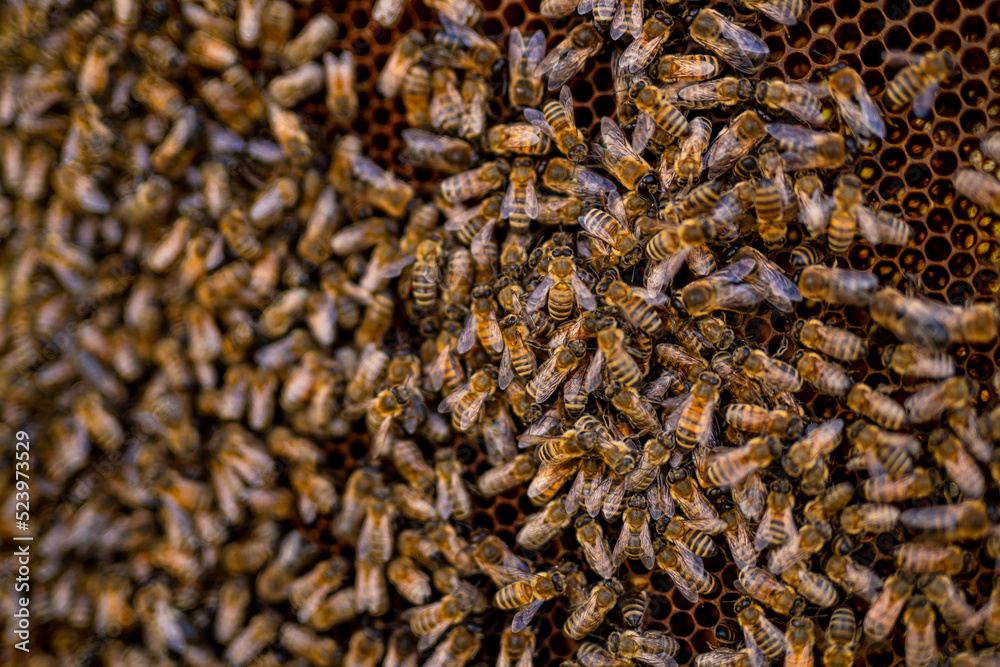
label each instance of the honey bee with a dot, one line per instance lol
(814, 212)
(942, 591)
(756, 626)
(315, 38)
(436, 152)
(561, 287)
(799, 547)
(641, 51)
(856, 107)
(723, 290)
(740, 48)
(964, 422)
(380, 414)
(507, 476)
(726, 92)
(525, 90)
(567, 178)
(475, 182)
(554, 210)
(740, 136)
(831, 341)
(520, 204)
(446, 105)
(635, 540)
(841, 635)
(557, 121)
(869, 518)
(481, 323)
(516, 357)
(958, 465)
(655, 110)
(933, 400)
(405, 53)
(796, 99)
(569, 56)
(542, 526)
(590, 536)
(919, 82)
(429, 622)
(458, 646)
(496, 559)
(459, 11)
(620, 160)
(415, 91)
(731, 468)
(686, 570)
(695, 414)
(837, 286)
(854, 578)
(651, 647)
(602, 598)
(763, 587)
(826, 376)
(516, 648)
(757, 419)
(411, 582)
(522, 138)
(694, 504)
(611, 352)
(779, 374)
(813, 587)
(689, 158)
(885, 610)
(808, 149)
(885, 489)
(531, 591)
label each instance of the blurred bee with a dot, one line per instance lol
(757, 419)
(726, 92)
(688, 165)
(434, 151)
(561, 287)
(919, 82)
(933, 400)
(884, 612)
(799, 547)
(958, 465)
(635, 540)
(651, 647)
(520, 204)
(869, 518)
(411, 582)
(723, 290)
(461, 47)
(531, 591)
(742, 134)
(763, 587)
(416, 95)
(475, 182)
(965, 423)
(671, 69)
(341, 96)
(523, 138)
(808, 149)
(525, 88)
(557, 121)
(810, 450)
(585, 619)
(855, 579)
(826, 376)
(730, 468)
(921, 634)
(779, 374)
(737, 536)
(769, 639)
(446, 106)
(744, 51)
(796, 99)
(837, 286)
(641, 51)
(516, 648)
(459, 11)
(831, 341)
(554, 210)
(507, 476)
(620, 160)
(429, 622)
(570, 55)
(943, 592)
(542, 526)
(475, 226)
(856, 107)
(567, 178)
(467, 401)
(590, 536)
(886, 489)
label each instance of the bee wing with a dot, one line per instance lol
(648, 556)
(537, 118)
(457, 221)
(583, 295)
(450, 401)
(445, 503)
(659, 500)
(465, 34)
(976, 620)
(778, 13)
(566, 64)
(437, 368)
(572, 500)
(696, 95)
(594, 183)
(474, 118)
(498, 434)
(643, 132)
(772, 282)
(753, 651)
(692, 563)
(785, 556)
(515, 49)
(435, 633)
(663, 273)
(723, 153)
(686, 588)
(599, 558)
(657, 659)
(613, 499)
(535, 50)
(551, 475)
(468, 336)
(468, 418)
(868, 225)
(552, 58)
(531, 200)
(935, 515)
(814, 212)
(741, 44)
(859, 112)
(585, 7)
(538, 295)
(506, 373)
(598, 489)
(494, 332)
(523, 617)
(618, 555)
(924, 102)
(638, 54)
(527, 655)
(788, 136)
(593, 378)
(566, 101)
(504, 659)
(381, 438)
(615, 143)
(481, 240)
(595, 230)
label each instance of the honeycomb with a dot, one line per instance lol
(956, 255)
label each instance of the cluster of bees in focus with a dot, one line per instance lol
(209, 291)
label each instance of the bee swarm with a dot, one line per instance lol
(339, 345)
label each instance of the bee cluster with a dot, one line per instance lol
(292, 407)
